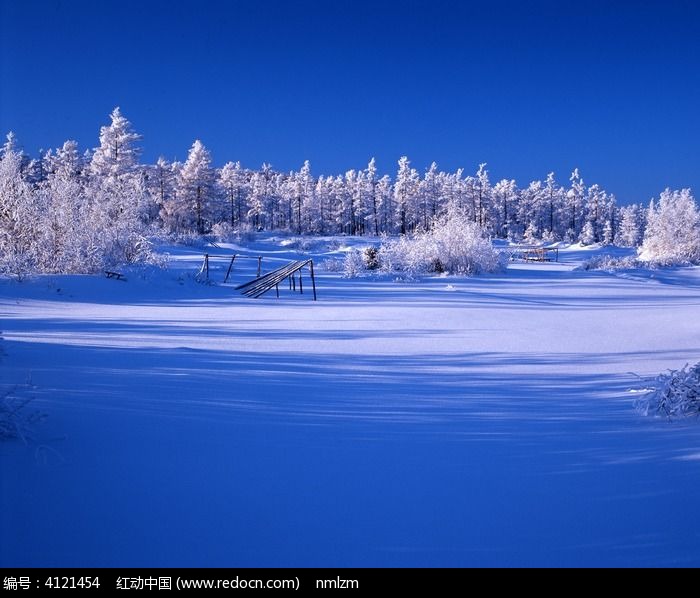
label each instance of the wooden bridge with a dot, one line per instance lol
(259, 286)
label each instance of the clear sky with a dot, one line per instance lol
(528, 87)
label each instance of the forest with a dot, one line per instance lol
(70, 211)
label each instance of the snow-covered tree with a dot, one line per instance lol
(261, 202)
(405, 189)
(587, 236)
(504, 194)
(118, 152)
(630, 231)
(552, 195)
(195, 185)
(574, 200)
(19, 214)
(370, 176)
(385, 199)
(532, 234)
(233, 181)
(66, 163)
(608, 233)
(428, 196)
(672, 233)
(482, 192)
(302, 190)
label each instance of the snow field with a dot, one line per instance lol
(447, 422)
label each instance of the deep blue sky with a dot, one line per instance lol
(528, 87)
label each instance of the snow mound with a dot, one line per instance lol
(676, 394)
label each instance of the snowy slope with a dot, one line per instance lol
(447, 422)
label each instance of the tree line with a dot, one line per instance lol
(69, 210)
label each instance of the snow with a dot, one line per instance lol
(445, 422)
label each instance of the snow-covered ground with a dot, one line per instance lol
(445, 422)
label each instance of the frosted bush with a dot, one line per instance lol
(303, 244)
(333, 265)
(354, 264)
(672, 235)
(370, 256)
(676, 394)
(222, 232)
(191, 239)
(611, 263)
(455, 244)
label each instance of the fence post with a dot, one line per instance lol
(259, 265)
(206, 263)
(313, 280)
(229, 268)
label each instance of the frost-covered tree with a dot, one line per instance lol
(504, 194)
(530, 211)
(587, 236)
(429, 193)
(195, 184)
(370, 176)
(161, 182)
(552, 193)
(302, 189)
(385, 198)
(118, 152)
(65, 248)
(19, 214)
(482, 193)
(574, 199)
(66, 163)
(233, 181)
(175, 213)
(672, 234)
(630, 227)
(262, 198)
(405, 189)
(532, 234)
